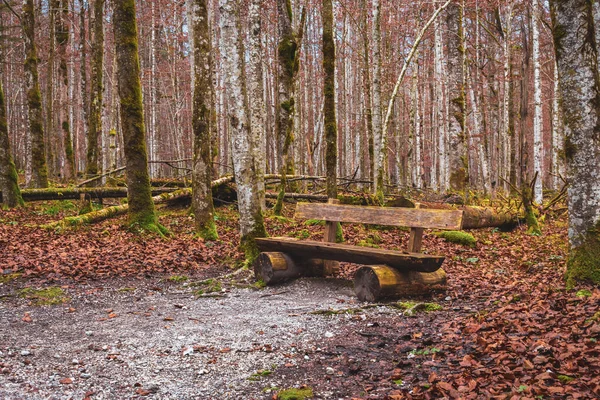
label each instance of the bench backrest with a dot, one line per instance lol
(390, 216)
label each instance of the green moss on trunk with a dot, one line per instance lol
(39, 172)
(248, 243)
(584, 261)
(142, 214)
(329, 99)
(11, 194)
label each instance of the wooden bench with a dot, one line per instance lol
(387, 273)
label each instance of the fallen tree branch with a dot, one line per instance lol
(75, 193)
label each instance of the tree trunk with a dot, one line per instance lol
(52, 150)
(244, 163)
(9, 185)
(376, 282)
(83, 49)
(202, 202)
(575, 31)
(440, 109)
(457, 151)
(39, 171)
(329, 99)
(378, 139)
(288, 53)
(62, 40)
(538, 143)
(93, 163)
(257, 93)
(141, 208)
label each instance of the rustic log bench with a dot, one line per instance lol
(387, 273)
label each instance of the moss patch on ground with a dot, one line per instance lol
(45, 297)
(9, 277)
(295, 394)
(463, 238)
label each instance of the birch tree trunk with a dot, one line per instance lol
(39, 171)
(9, 185)
(62, 40)
(557, 134)
(93, 163)
(141, 211)
(440, 108)
(202, 202)
(52, 150)
(244, 163)
(538, 149)
(575, 30)
(457, 150)
(367, 89)
(257, 95)
(378, 139)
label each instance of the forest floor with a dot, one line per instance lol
(103, 313)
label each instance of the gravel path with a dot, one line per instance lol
(163, 342)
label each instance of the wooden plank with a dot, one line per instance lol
(415, 240)
(402, 261)
(392, 216)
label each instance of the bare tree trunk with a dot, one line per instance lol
(62, 40)
(39, 171)
(557, 134)
(9, 185)
(244, 164)
(52, 150)
(93, 164)
(538, 149)
(288, 53)
(577, 55)
(457, 151)
(440, 109)
(378, 138)
(141, 207)
(202, 202)
(85, 98)
(257, 95)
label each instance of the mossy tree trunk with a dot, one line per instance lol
(367, 87)
(576, 32)
(288, 53)
(141, 207)
(62, 40)
(329, 99)
(244, 164)
(39, 171)
(256, 93)
(52, 150)
(11, 195)
(202, 202)
(457, 150)
(93, 156)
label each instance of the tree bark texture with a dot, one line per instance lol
(202, 202)
(244, 163)
(93, 163)
(39, 171)
(457, 151)
(9, 185)
(575, 33)
(141, 207)
(329, 99)
(62, 39)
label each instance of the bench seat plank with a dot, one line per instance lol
(402, 261)
(392, 216)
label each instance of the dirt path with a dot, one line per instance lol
(159, 338)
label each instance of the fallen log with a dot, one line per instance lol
(75, 193)
(403, 261)
(276, 267)
(473, 217)
(375, 282)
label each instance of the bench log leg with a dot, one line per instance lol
(375, 282)
(275, 267)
